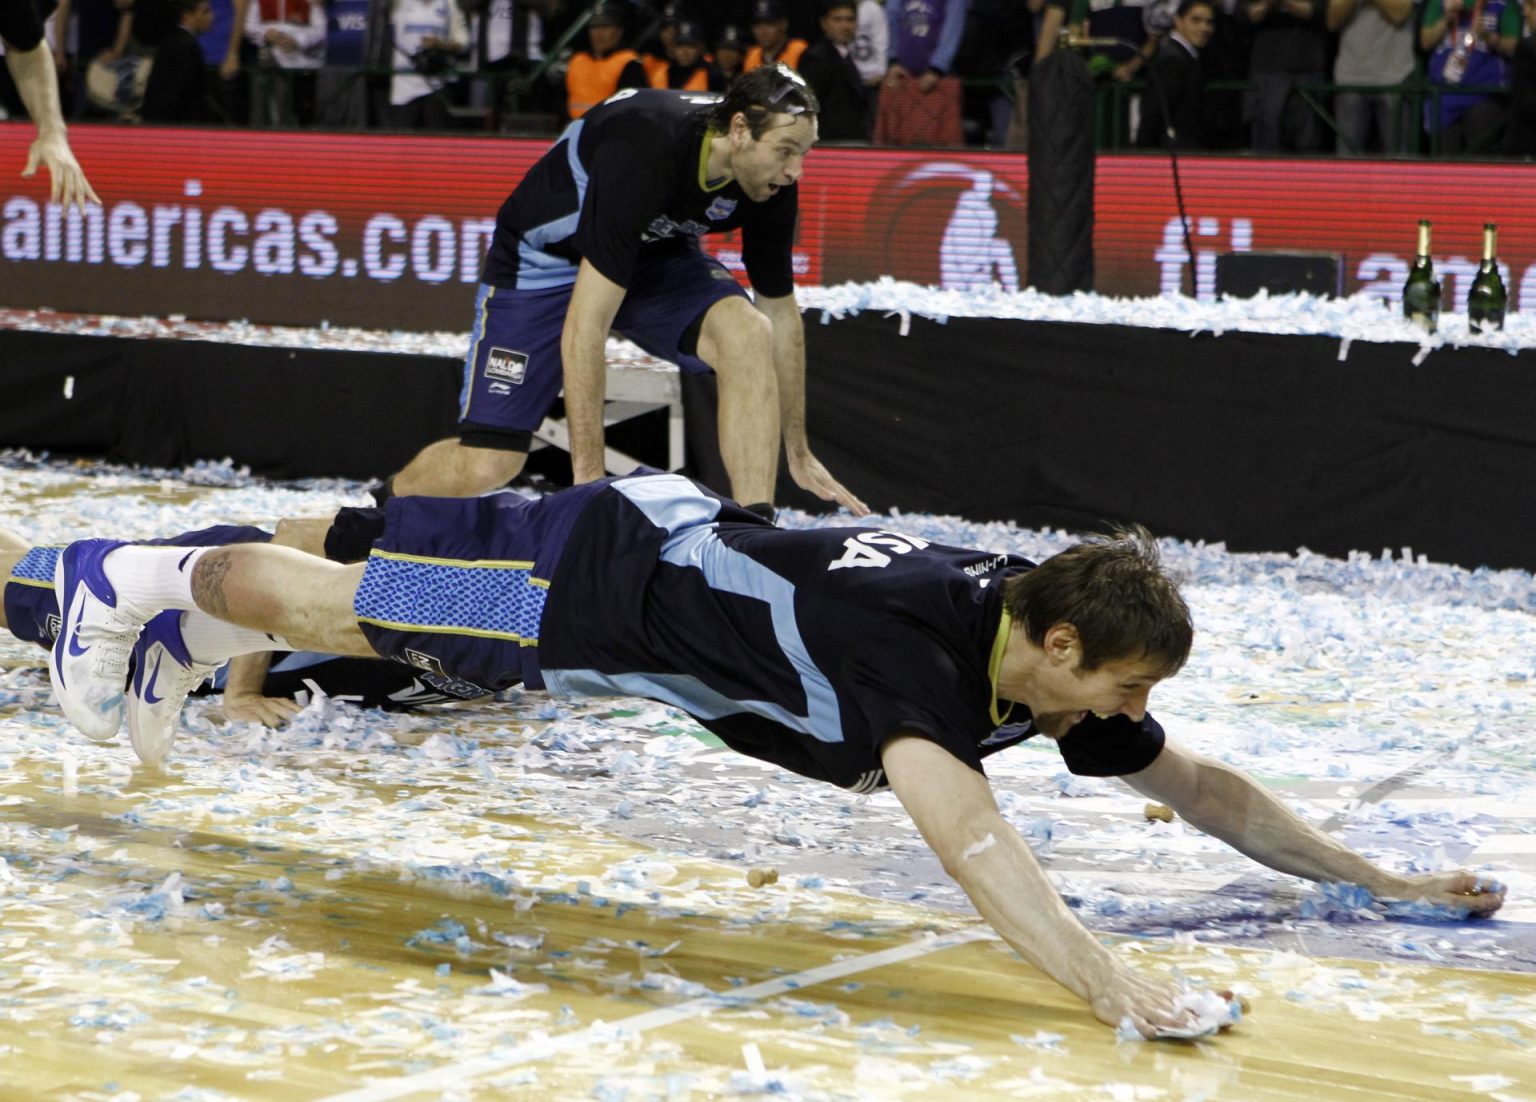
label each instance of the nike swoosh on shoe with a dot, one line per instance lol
(149, 686)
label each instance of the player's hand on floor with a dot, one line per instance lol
(269, 711)
(1151, 1005)
(809, 474)
(1478, 892)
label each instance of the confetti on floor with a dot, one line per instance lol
(533, 900)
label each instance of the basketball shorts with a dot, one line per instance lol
(513, 372)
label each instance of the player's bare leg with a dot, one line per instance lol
(448, 468)
(736, 340)
(280, 591)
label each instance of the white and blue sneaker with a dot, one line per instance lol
(164, 675)
(89, 662)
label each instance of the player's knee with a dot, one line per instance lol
(492, 468)
(736, 335)
(302, 535)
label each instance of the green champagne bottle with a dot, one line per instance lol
(1421, 294)
(1488, 299)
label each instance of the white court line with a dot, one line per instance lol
(455, 1075)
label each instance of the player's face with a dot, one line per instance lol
(764, 165)
(686, 54)
(1071, 693)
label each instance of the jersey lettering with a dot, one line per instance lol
(863, 549)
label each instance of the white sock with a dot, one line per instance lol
(210, 640)
(154, 578)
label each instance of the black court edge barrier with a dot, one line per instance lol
(1267, 443)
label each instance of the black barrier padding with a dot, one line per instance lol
(1061, 169)
(1268, 443)
(285, 413)
(60, 394)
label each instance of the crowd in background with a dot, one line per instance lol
(1308, 76)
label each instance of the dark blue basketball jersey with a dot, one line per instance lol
(808, 649)
(626, 177)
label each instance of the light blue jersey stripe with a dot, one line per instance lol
(538, 270)
(677, 506)
(482, 319)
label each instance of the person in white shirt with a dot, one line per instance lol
(289, 36)
(428, 35)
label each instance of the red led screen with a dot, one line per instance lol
(388, 231)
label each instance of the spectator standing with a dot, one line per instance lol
(1467, 48)
(872, 43)
(688, 71)
(1290, 47)
(829, 68)
(658, 53)
(289, 38)
(1375, 47)
(770, 27)
(1224, 58)
(427, 34)
(1127, 22)
(1047, 20)
(222, 50)
(84, 29)
(341, 87)
(1175, 96)
(999, 39)
(730, 54)
(178, 88)
(872, 51)
(920, 102)
(605, 66)
(1520, 133)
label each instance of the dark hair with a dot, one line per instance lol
(1114, 591)
(1187, 6)
(830, 6)
(766, 91)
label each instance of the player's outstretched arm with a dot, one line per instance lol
(1228, 804)
(789, 366)
(38, 82)
(953, 808)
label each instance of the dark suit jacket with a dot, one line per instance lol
(178, 81)
(835, 80)
(1174, 81)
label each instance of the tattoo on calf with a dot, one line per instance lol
(208, 583)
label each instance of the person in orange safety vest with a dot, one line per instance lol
(605, 66)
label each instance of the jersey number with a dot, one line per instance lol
(864, 549)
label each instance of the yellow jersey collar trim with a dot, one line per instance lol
(704, 184)
(995, 664)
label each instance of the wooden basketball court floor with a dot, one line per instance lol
(521, 901)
